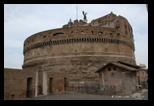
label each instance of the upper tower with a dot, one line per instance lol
(108, 21)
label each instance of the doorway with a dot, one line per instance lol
(29, 87)
(51, 85)
(65, 84)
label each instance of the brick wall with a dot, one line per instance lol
(20, 84)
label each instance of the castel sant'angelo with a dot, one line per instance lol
(80, 48)
(56, 59)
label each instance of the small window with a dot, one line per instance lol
(81, 32)
(118, 34)
(59, 33)
(100, 32)
(114, 68)
(12, 95)
(109, 68)
(92, 32)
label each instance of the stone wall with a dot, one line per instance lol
(15, 83)
(142, 78)
(77, 53)
(80, 50)
(115, 80)
(20, 84)
(53, 58)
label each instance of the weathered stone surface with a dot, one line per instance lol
(71, 53)
(16, 83)
(81, 48)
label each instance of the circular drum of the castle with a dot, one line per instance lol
(78, 52)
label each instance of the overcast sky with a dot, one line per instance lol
(24, 20)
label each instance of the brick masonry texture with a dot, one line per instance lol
(57, 57)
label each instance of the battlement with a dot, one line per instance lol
(107, 26)
(109, 21)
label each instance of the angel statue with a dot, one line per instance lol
(84, 14)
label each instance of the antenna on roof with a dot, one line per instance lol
(77, 11)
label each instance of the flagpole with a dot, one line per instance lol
(77, 11)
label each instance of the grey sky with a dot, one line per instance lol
(24, 20)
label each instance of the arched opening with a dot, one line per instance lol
(114, 68)
(59, 33)
(65, 84)
(100, 32)
(109, 68)
(77, 40)
(92, 32)
(51, 85)
(44, 36)
(29, 87)
(91, 39)
(39, 89)
(82, 40)
(74, 40)
(64, 40)
(87, 39)
(81, 32)
(118, 34)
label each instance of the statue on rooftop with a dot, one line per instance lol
(84, 14)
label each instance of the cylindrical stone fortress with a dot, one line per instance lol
(79, 49)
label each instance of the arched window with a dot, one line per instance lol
(109, 68)
(118, 34)
(114, 68)
(29, 92)
(92, 32)
(100, 32)
(81, 32)
(51, 85)
(58, 33)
